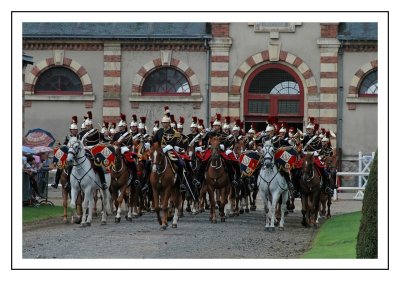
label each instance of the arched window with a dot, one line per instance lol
(273, 90)
(166, 81)
(59, 81)
(369, 84)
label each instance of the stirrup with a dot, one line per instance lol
(196, 183)
(136, 183)
(104, 186)
(182, 187)
(235, 182)
(54, 185)
(328, 190)
(145, 187)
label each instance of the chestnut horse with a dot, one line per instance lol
(162, 180)
(310, 181)
(121, 178)
(217, 183)
(66, 192)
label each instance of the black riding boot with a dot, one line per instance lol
(200, 175)
(57, 178)
(325, 183)
(132, 167)
(288, 180)
(231, 173)
(179, 184)
(100, 171)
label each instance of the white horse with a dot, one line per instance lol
(272, 185)
(83, 178)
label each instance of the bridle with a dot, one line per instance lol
(157, 166)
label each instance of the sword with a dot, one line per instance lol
(188, 185)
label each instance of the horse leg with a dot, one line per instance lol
(95, 198)
(177, 201)
(85, 204)
(285, 198)
(328, 215)
(74, 217)
(65, 203)
(211, 196)
(90, 209)
(304, 210)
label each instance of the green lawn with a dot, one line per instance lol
(31, 214)
(337, 238)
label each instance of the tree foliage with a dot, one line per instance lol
(367, 239)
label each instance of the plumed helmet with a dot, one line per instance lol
(200, 126)
(310, 124)
(134, 121)
(74, 123)
(122, 122)
(88, 120)
(173, 122)
(156, 126)
(237, 125)
(252, 131)
(166, 118)
(282, 128)
(181, 122)
(217, 121)
(142, 122)
(194, 122)
(227, 122)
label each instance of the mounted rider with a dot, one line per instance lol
(73, 132)
(232, 162)
(91, 137)
(167, 138)
(312, 144)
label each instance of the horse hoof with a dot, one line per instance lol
(291, 211)
(83, 224)
(174, 225)
(247, 210)
(103, 222)
(89, 224)
(117, 220)
(65, 221)
(188, 209)
(222, 219)
(128, 218)
(231, 215)
(281, 228)
(241, 211)
(163, 227)
(214, 221)
(252, 208)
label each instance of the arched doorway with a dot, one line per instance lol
(273, 90)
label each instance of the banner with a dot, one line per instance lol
(103, 155)
(60, 156)
(249, 161)
(286, 157)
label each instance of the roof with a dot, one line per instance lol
(358, 31)
(115, 30)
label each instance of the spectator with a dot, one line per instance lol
(31, 170)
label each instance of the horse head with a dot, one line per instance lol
(308, 168)
(158, 159)
(75, 150)
(268, 153)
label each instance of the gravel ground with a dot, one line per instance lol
(195, 238)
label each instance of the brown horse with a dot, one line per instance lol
(65, 192)
(326, 199)
(310, 181)
(121, 178)
(217, 183)
(162, 180)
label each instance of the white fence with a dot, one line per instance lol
(364, 167)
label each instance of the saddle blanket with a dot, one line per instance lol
(103, 155)
(249, 162)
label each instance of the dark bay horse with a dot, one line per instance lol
(217, 183)
(326, 199)
(310, 181)
(162, 180)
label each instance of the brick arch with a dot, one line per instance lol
(359, 75)
(304, 70)
(42, 66)
(156, 63)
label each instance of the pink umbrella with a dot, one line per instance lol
(39, 149)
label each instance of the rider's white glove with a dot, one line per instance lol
(147, 145)
(228, 151)
(198, 149)
(166, 148)
(190, 154)
(315, 153)
(177, 148)
(124, 149)
(222, 147)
